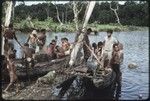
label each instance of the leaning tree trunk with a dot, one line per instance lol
(116, 14)
(8, 12)
(8, 15)
(78, 45)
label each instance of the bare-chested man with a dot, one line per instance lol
(117, 59)
(12, 71)
(65, 45)
(29, 58)
(9, 35)
(32, 39)
(87, 53)
(41, 39)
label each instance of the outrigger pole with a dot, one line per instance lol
(79, 43)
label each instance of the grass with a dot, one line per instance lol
(70, 27)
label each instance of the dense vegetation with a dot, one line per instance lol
(131, 13)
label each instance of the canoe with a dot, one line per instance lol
(81, 81)
(40, 68)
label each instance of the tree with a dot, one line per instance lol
(115, 11)
(58, 18)
(8, 12)
(77, 7)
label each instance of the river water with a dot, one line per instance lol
(135, 82)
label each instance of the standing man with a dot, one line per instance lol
(9, 35)
(108, 47)
(87, 52)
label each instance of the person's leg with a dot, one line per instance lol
(27, 70)
(9, 85)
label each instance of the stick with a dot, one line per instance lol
(93, 53)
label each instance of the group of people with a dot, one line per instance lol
(109, 52)
(35, 43)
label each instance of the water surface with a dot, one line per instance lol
(135, 82)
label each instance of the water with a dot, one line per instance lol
(135, 82)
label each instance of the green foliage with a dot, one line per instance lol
(131, 13)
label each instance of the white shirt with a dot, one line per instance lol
(109, 43)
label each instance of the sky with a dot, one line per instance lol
(58, 2)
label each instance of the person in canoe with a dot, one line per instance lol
(108, 47)
(60, 53)
(51, 50)
(41, 39)
(29, 54)
(86, 51)
(32, 39)
(65, 45)
(117, 59)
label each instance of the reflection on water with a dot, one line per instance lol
(134, 81)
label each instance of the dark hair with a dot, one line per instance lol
(11, 56)
(110, 31)
(66, 39)
(100, 43)
(94, 45)
(35, 35)
(10, 25)
(14, 50)
(116, 44)
(26, 44)
(89, 30)
(53, 40)
(51, 44)
(43, 30)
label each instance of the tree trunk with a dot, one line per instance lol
(63, 17)
(8, 12)
(58, 18)
(66, 14)
(118, 20)
(75, 11)
(116, 14)
(77, 47)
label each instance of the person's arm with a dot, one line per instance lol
(121, 57)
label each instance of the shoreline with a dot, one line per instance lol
(70, 27)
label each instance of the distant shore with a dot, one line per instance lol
(70, 27)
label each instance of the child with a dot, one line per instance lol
(59, 52)
(50, 51)
(12, 72)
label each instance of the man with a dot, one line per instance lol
(65, 46)
(12, 72)
(87, 53)
(117, 59)
(32, 39)
(41, 39)
(29, 58)
(108, 46)
(9, 35)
